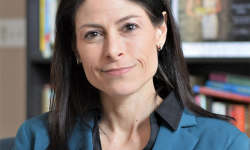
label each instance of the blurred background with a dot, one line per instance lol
(216, 45)
(12, 66)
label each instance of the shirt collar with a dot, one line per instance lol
(171, 110)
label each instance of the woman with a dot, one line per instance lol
(120, 82)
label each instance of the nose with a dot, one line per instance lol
(113, 47)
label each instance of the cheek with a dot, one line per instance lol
(143, 49)
(89, 53)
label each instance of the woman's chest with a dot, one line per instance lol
(118, 142)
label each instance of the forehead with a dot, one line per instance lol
(92, 10)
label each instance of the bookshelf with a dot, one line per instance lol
(202, 66)
(38, 68)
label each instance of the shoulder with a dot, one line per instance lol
(220, 132)
(36, 125)
(38, 121)
(214, 124)
(33, 133)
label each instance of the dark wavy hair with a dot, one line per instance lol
(75, 96)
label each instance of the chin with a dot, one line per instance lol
(120, 91)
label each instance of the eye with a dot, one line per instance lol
(130, 27)
(92, 34)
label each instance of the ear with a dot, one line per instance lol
(161, 31)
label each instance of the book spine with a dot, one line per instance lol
(42, 43)
(209, 103)
(47, 52)
(247, 120)
(219, 108)
(53, 9)
(230, 78)
(238, 112)
(201, 100)
(197, 80)
(46, 94)
(238, 89)
(218, 77)
(239, 80)
(47, 16)
(197, 99)
(220, 94)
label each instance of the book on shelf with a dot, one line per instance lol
(225, 86)
(226, 94)
(238, 112)
(197, 80)
(247, 120)
(201, 100)
(219, 108)
(234, 88)
(42, 26)
(216, 92)
(230, 78)
(47, 14)
(46, 94)
(204, 101)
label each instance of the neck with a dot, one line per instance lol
(129, 113)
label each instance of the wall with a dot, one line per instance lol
(12, 75)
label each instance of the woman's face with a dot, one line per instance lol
(117, 43)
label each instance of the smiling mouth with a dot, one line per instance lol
(118, 71)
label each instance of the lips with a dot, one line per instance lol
(118, 71)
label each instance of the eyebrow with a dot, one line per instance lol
(126, 18)
(117, 22)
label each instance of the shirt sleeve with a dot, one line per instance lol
(22, 140)
(241, 142)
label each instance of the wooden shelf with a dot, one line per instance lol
(40, 60)
(219, 60)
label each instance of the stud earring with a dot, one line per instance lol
(78, 61)
(160, 47)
